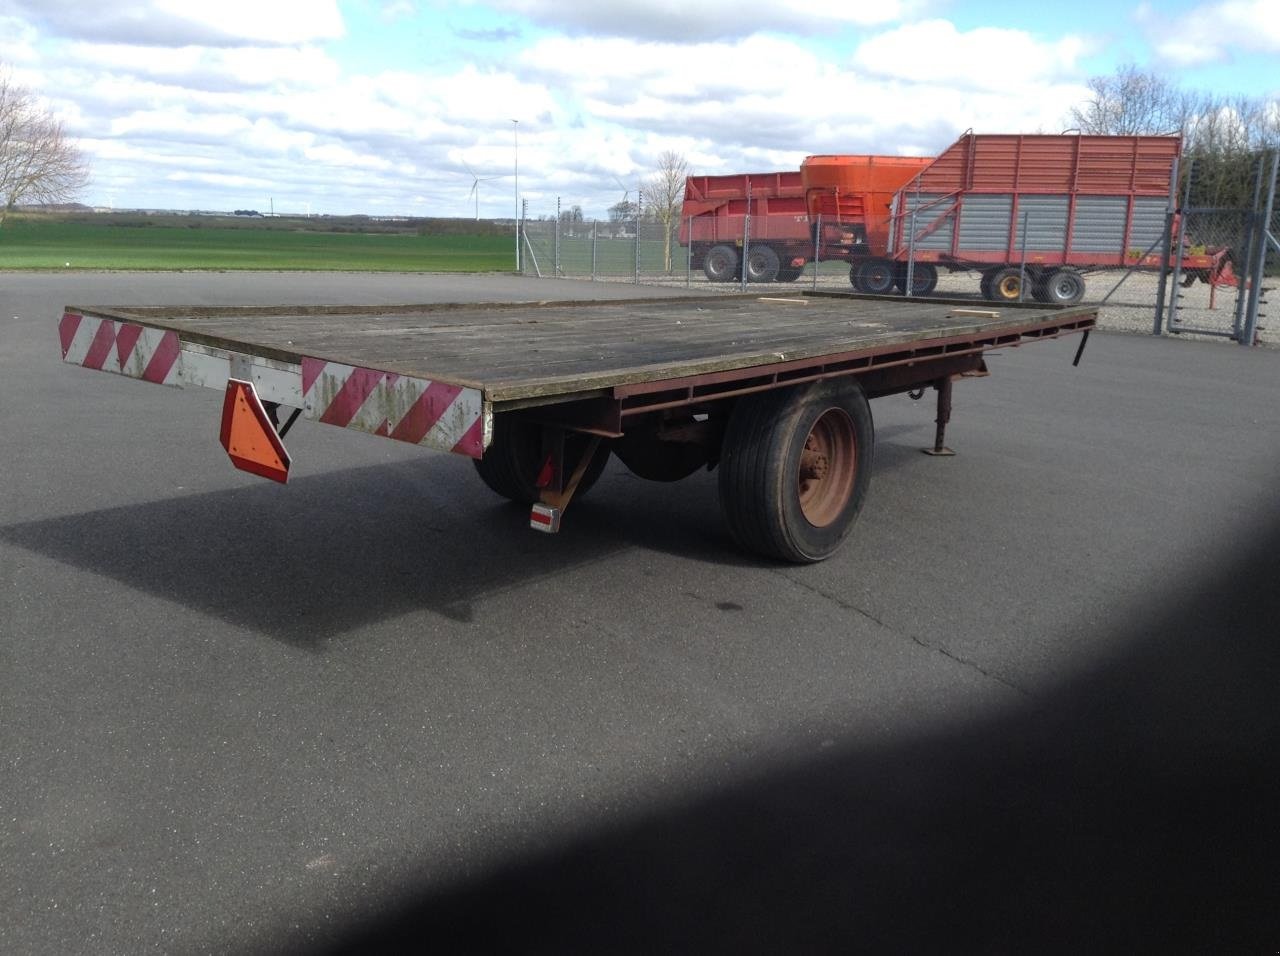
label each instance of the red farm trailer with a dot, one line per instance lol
(849, 195)
(713, 223)
(1035, 208)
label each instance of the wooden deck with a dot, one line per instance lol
(530, 350)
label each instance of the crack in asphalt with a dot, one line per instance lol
(916, 639)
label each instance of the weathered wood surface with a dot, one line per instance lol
(545, 349)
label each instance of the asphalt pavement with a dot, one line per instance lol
(236, 716)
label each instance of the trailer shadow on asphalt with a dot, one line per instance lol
(339, 551)
(335, 552)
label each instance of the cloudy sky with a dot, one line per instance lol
(395, 106)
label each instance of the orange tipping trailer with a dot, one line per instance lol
(857, 191)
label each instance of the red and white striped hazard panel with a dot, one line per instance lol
(120, 347)
(435, 414)
(432, 414)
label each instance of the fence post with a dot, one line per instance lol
(817, 250)
(1246, 245)
(594, 224)
(558, 270)
(746, 238)
(1022, 267)
(688, 256)
(1165, 248)
(909, 288)
(1263, 233)
(1182, 252)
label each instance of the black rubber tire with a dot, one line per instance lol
(721, 263)
(760, 469)
(511, 462)
(924, 278)
(762, 264)
(873, 276)
(1062, 287)
(984, 286)
(647, 457)
(1006, 285)
(789, 274)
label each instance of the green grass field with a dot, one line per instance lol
(53, 244)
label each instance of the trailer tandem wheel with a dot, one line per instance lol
(1061, 287)
(984, 286)
(762, 264)
(924, 278)
(512, 461)
(646, 455)
(873, 276)
(795, 468)
(721, 263)
(1005, 285)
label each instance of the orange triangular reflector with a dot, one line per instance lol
(248, 435)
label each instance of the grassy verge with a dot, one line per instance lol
(202, 243)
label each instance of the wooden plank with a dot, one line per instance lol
(529, 350)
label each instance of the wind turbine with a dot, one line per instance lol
(475, 186)
(626, 191)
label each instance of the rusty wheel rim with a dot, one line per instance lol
(1009, 287)
(827, 468)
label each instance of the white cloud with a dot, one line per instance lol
(186, 22)
(245, 120)
(1214, 31)
(397, 10)
(17, 41)
(210, 69)
(988, 58)
(681, 21)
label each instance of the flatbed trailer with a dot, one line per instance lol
(773, 391)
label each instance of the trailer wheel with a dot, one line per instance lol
(984, 286)
(789, 274)
(1063, 287)
(795, 468)
(511, 462)
(924, 278)
(721, 263)
(1006, 285)
(762, 264)
(873, 276)
(648, 457)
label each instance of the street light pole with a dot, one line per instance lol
(515, 133)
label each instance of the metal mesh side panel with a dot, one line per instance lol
(1100, 224)
(984, 222)
(1046, 218)
(940, 239)
(1148, 220)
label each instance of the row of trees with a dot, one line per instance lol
(1222, 135)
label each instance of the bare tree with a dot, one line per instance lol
(664, 193)
(1132, 102)
(1221, 135)
(37, 161)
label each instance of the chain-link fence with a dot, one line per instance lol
(628, 250)
(1206, 288)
